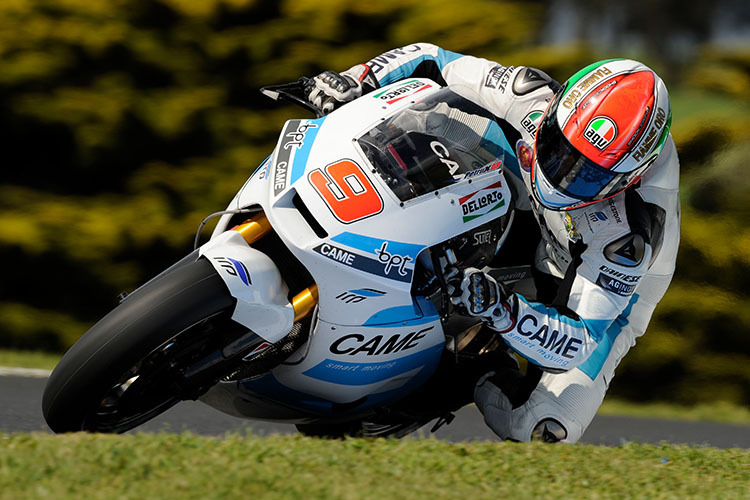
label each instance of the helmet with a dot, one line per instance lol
(599, 134)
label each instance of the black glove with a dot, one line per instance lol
(481, 296)
(329, 90)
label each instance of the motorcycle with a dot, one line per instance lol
(322, 297)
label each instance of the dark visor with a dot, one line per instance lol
(569, 171)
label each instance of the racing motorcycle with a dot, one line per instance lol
(322, 297)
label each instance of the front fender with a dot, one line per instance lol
(254, 280)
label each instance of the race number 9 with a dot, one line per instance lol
(347, 191)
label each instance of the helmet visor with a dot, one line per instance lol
(568, 170)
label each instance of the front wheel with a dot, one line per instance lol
(149, 353)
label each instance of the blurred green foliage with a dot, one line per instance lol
(125, 122)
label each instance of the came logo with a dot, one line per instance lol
(601, 131)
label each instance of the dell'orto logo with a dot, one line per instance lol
(601, 131)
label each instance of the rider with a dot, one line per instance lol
(598, 175)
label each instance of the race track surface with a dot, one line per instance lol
(20, 411)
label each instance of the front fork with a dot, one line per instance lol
(254, 229)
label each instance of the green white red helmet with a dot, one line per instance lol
(600, 134)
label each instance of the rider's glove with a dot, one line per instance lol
(329, 90)
(480, 295)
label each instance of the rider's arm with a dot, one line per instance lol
(623, 262)
(592, 298)
(424, 60)
(490, 81)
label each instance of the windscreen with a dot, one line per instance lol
(433, 144)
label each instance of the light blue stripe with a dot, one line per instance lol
(494, 135)
(551, 313)
(300, 157)
(593, 327)
(367, 293)
(443, 58)
(346, 373)
(370, 245)
(593, 365)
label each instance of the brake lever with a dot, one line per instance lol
(293, 92)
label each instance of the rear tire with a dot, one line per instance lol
(127, 368)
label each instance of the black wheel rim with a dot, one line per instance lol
(157, 381)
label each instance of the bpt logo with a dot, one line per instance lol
(392, 260)
(296, 138)
(601, 131)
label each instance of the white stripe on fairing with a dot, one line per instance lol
(9, 371)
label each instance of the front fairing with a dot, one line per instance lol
(338, 212)
(353, 232)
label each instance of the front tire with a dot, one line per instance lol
(131, 365)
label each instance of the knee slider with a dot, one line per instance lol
(549, 430)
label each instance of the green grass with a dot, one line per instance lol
(28, 359)
(186, 466)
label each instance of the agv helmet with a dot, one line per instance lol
(600, 133)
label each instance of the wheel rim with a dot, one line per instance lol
(156, 382)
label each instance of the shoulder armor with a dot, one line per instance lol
(627, 251)
(529, 79)
(645, 219)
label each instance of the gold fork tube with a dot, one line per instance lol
(254, 228)
(304, 302)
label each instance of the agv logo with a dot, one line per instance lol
(600, 132)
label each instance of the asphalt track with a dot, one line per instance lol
(20, 411)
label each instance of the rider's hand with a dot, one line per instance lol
(329, 90)
(481, 296)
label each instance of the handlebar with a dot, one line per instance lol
(293, 92)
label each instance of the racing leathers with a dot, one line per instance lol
(610, 262)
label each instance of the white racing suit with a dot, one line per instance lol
(613, 260)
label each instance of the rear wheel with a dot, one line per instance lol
(164, 343)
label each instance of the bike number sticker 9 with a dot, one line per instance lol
(347, 191)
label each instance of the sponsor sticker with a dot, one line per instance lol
(403, 91)
(535, 335)
(493, 77)
(392, 261)
(600, 132)
(653, 134)
(262, 347)
(234, 268)
(581, 86)
(294, 139)
(483, 170)
(482, 202)
(483, 237)
(529, 121)
(379, 63)
(615, 285)
(358, 295)
(356, 343)
(389, 259)
(572, 228)
(524, 154)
